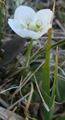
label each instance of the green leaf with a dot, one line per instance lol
(61, 88)
(49, 115)
(45, 77)
(55, 76)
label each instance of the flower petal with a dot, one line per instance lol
(24, 13)
(22, 32)
(45, 16)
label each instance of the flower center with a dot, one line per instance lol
(38, 26)
(34, 26)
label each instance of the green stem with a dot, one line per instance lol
(46, 67)
(29, 50)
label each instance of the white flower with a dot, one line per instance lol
(30, 24)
